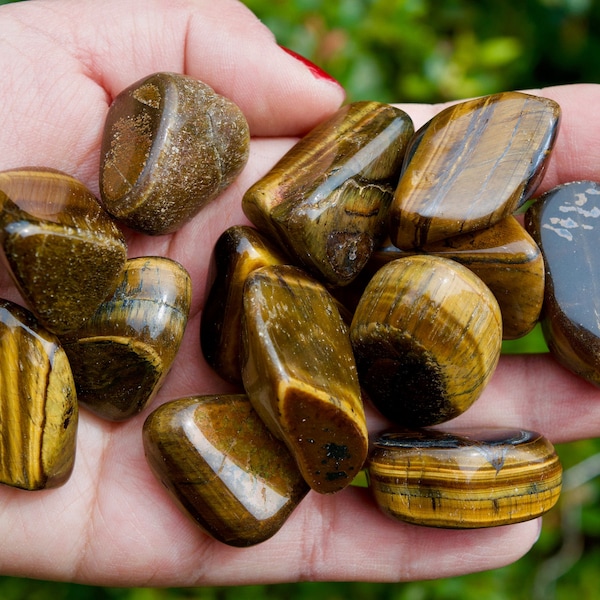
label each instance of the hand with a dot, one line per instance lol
(112, 523)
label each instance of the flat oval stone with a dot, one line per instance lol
(239, 251)
(505, 258)
(471, 166)
(326, 201)
(565, 222)
(299, 373)
(465, 479)
(62, 249)
(223, 468)
(171, 145)
(123, 354)
(38, 404)
(427, 336)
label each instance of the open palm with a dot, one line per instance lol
(112, 523)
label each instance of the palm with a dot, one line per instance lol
(113, 523)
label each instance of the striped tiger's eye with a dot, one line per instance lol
(465, 479)
(223, 467)
(427, 336)
(38, 404)
(123, 354)
(171, 145)
(471, 166)
(327, 200)
(63, 250)
(300, 375)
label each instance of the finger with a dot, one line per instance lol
(534, 392)
(221, 43)
(576, 154)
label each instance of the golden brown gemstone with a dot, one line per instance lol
(300, 375)
(505, 258)
(471, 166)
(62, 249)
(327, 199)
(123, 354)
(223, 467)
(238, 251)
(170, 146)
(427, 336)
(465, 479)
(38, 404)
(565, 222)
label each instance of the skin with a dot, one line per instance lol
(62, 61)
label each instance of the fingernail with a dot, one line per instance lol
(317, 72)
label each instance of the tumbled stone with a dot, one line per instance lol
(63, 251)
(327, 200)
(464, 479)
(427, 335)
(170, 146)
(565, 222)
(505, 258)
(122, 355)
(239, 251)
(38, 404)
(300, 375)
(223, 468)
(471, 166)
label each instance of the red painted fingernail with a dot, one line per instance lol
(317, 72)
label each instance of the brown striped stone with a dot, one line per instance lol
(465, 479)
(171, 145)
(427, 336)
(300, 375)
(471, 166)
(38, 404)
(239, 251)
(63, 250)
(223, 467)
(122, 355)
(505, 258)
(326, 201)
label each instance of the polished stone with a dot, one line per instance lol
(38, 404)
(471, 166)
(122, 355)
(427, 335)
(170, 146)
(239, 251)
(565, 222)
(327, 200)
(465, 479)
(62, 249)
(505, 258)
(300, 374)
(223, 468)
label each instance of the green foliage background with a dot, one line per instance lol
(430, 51)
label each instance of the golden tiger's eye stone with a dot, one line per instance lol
(427, 336)
(171, 145)
(63, 251)
(223, 467)
(38, 404)
(466, 479)
(239, 251)
(505, 258)
(327, 199)
(565, 222)
(123, 354)
(471, 166)
(299, 372)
